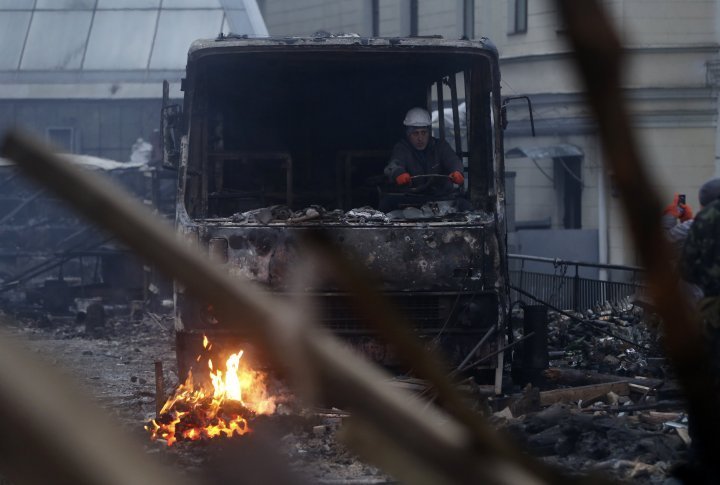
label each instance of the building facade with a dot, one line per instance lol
(561, 187)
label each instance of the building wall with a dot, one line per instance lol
(101, 128)
(669, 44)
(438, 18)
(391, 23)
(304, 17)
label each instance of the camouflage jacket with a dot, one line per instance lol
(700, 261)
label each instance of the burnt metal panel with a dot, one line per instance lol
(411, 257)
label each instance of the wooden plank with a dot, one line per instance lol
(572, 394)
(575, 377)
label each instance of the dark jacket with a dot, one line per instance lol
(437, 158)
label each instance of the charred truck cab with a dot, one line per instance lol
(281, 136)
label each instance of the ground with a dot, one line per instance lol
(117, 365)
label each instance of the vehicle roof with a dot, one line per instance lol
(232, 42)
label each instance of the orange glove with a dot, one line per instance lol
(403, 179)
(680, 211)
(457, 177)
(687, 212)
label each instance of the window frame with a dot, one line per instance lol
(517, 17)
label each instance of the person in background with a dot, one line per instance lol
(421, 167)
(676, 219)
(700, 265)
(700, 260)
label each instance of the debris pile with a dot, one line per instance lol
(435, 210)
(612, 338)
(638, 447)
(607, 403)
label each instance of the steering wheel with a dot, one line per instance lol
(424, 184)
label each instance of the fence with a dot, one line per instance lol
(567, 285)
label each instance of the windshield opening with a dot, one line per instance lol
(301, 130)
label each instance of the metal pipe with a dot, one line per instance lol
(456, 114)
(498, 351)
(558, 261)
(487, 335)
(441, 110)
(20, 206)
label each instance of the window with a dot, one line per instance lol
(104, 52)
(569, 184)
(56, 40)
(61, 138)
(517, 16)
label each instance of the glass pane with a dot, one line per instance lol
(13, 27)
(191, 4)
(10, 4)
(66, 4)
(177, 30)
(521, 16)
(128, 4)
(239, 21)
(56, 40)
(110, 48)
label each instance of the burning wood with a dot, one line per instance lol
(196, 412)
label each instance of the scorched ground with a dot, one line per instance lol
(117, 367)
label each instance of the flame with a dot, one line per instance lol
(194, 413)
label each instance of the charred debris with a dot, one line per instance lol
(53, 264)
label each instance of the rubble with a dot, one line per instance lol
(617, 340)
(435, 210)
(607, 403)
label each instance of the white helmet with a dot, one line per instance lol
(417, 117)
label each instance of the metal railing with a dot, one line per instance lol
(561, 284)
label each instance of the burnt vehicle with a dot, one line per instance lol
(280, 136)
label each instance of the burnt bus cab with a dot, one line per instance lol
(280, 136)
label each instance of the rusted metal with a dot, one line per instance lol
(414, 253)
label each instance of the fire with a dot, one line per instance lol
(195, 413)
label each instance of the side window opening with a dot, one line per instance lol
(449, 112)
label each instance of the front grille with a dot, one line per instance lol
(422, 312)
